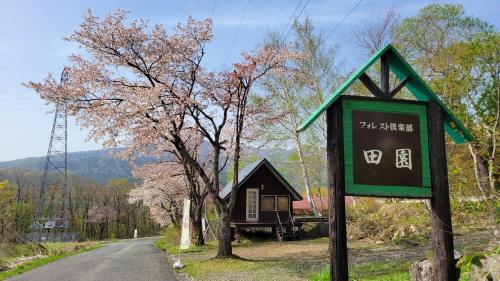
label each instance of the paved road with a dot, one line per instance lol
(122, 261)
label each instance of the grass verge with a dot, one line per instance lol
(308, 259)
(377, 271)
(161, 244)
(223, 267)
(44, 260)
(380, 271)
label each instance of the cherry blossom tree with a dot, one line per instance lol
(162, 190)
(226, 134)
(102, 216)
(165, 183)
(141, 88)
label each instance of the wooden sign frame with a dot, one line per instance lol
(442, 233)
(439, 119)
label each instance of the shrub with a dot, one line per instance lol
(169, 240)
(316, 229)
(172, 235)
(388, 221)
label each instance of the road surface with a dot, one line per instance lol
(121, 261)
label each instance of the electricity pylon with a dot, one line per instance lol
(56, 168)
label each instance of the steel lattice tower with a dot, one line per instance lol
(56, 169)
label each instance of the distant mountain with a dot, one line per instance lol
(103, 165)
(99, 165)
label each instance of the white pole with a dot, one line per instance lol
(185, 226)
(135, 233)
(184, 244)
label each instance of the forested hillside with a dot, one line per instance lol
(104, 165)
(99, 165)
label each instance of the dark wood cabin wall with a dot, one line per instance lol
(272, 186)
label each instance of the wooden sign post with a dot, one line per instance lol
(442, 232)
(336, 194)
(389, 148)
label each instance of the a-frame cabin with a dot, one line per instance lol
(264, 198)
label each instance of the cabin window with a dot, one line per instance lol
(268, 203)
(252, 204)
(283, 203)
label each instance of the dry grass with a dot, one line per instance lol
(291, 249)
(18, 258)
(11, 263)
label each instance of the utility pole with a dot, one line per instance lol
(56, 166)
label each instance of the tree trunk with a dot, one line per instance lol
(101, 232)
(198, 231)
(196, 217)
(480, 170)
(225, 248)
(306, 176)
(485, 184)
(18, 194)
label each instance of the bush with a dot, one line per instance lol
(469, 213)
(479, 265)
(211, 216)
(21, 214)
(169, 240)
(316, 229)
(172, 235)
(388, 221)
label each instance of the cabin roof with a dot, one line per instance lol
(249, 170)
(402, 70)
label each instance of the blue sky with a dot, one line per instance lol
(31, 45)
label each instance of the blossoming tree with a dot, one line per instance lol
(137, 86)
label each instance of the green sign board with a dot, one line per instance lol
(386, 150)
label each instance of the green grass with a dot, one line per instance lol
(380, 271)
(174, 249)
(44, 260)
(197, 269)
(218, 266)
(161, 244)
(377, 271)
(221, 266)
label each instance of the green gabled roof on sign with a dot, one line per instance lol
(422, 92)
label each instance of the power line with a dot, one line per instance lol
(343, 19)
(291, 17)
(289, 20)
(236, 33)
(213, 9)
(298, 16)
